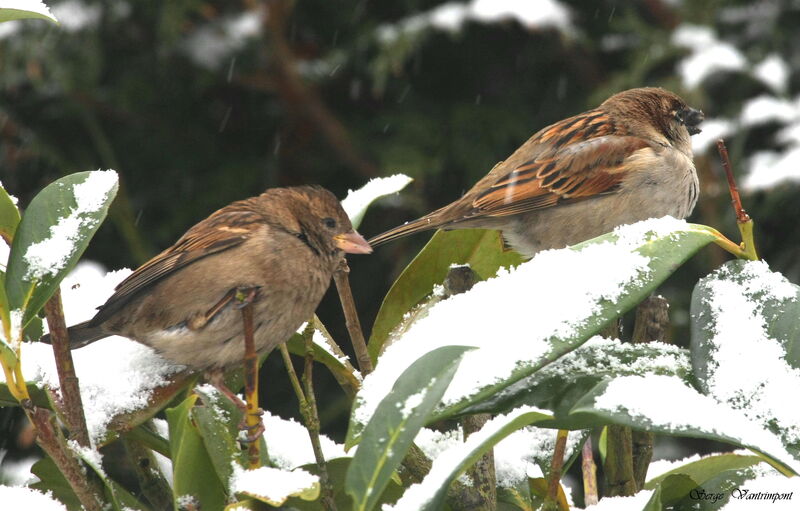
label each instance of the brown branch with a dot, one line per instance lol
(589, 471)
(619, 462)
(71, 403)
(302, 98)
(741, 214)
(482, 473)
(340, 277)
(312, 420)
(556, 469)
(88, 489)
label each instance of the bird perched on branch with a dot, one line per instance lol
(281, 248)
(627, 160)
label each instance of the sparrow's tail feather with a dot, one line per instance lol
(80, 335)
(425, 223)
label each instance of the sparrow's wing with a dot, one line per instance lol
(223, 230)
(575, 159)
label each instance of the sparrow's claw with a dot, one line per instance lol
(245, 296)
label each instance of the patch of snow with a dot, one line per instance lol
(216, 42)
(289, 446)
(75, 15)
(774, 72)
(357, 201)
(18, 472)
(764, 109)
(274, 484)
(708, 55)
(49, 256)
(713, 130)
(34, 6)
(21, 497)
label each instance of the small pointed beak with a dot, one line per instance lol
(352, 243)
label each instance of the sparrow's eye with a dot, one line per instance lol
(329, 222)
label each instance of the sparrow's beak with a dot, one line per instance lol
(352, 243)
(692, 119)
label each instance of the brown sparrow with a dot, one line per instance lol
(627, 160)
(285, 243)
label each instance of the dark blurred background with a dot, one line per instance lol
(199, 103)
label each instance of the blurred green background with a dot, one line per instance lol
(200, 103)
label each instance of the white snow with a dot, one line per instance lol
(116, 374)
(17, 472)
(289, 446)
(764, 109)
(215, 43)
(632, 503)
(774, 72)
(34, 6)
(767, 490)
(768, 169)
(708, 54)
(419, 494)
(748, 368)
(539, 301)
(713, 130)
(75, 15)
(274, 484)
(357, 201)
(452, 16)
(666, 401)
(49, 256)
(21, 497)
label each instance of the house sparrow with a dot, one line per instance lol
(285, 243)
(627, 160)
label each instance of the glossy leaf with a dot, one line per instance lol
(57, 226)
(399, 416)
(9, 216)
(430, 494)
(683, 424)
(707, 468)
(36, 11)
(193, 472)
(481, 249)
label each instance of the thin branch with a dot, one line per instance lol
(589, 471)
(312, 420)
(743, 220)
(72, 405)
(619, 462)
(556, 469)
(341, 278)
(88, 489)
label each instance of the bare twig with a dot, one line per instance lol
(482, 473)
(312, 420)
(589, 471)
(556, 468)
(72, 405)
(743, 220)
(88, 489)
(341, 278)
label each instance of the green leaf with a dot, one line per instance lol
(558, 386)
(743, 306)
(482, 250)
(397, 419)
(713, 493)
(708, 467)
(663, 404)
(56, 228)
(51, 479)
(39, 11)
(431, 493)
(665, 253)
(9, 215)
(217, 422)
(337, 470)
(193, 472)
(330, 355)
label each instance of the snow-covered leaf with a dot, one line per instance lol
(666, 405)
(396, 421)
(274, 486)
(746, 344)
(430, 493)
(481, 250)
(528, 317)
(53, 233)
(559, 385)
(706, 468)
(357, 201)
(24, 9)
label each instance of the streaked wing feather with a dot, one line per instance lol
(221, 231)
